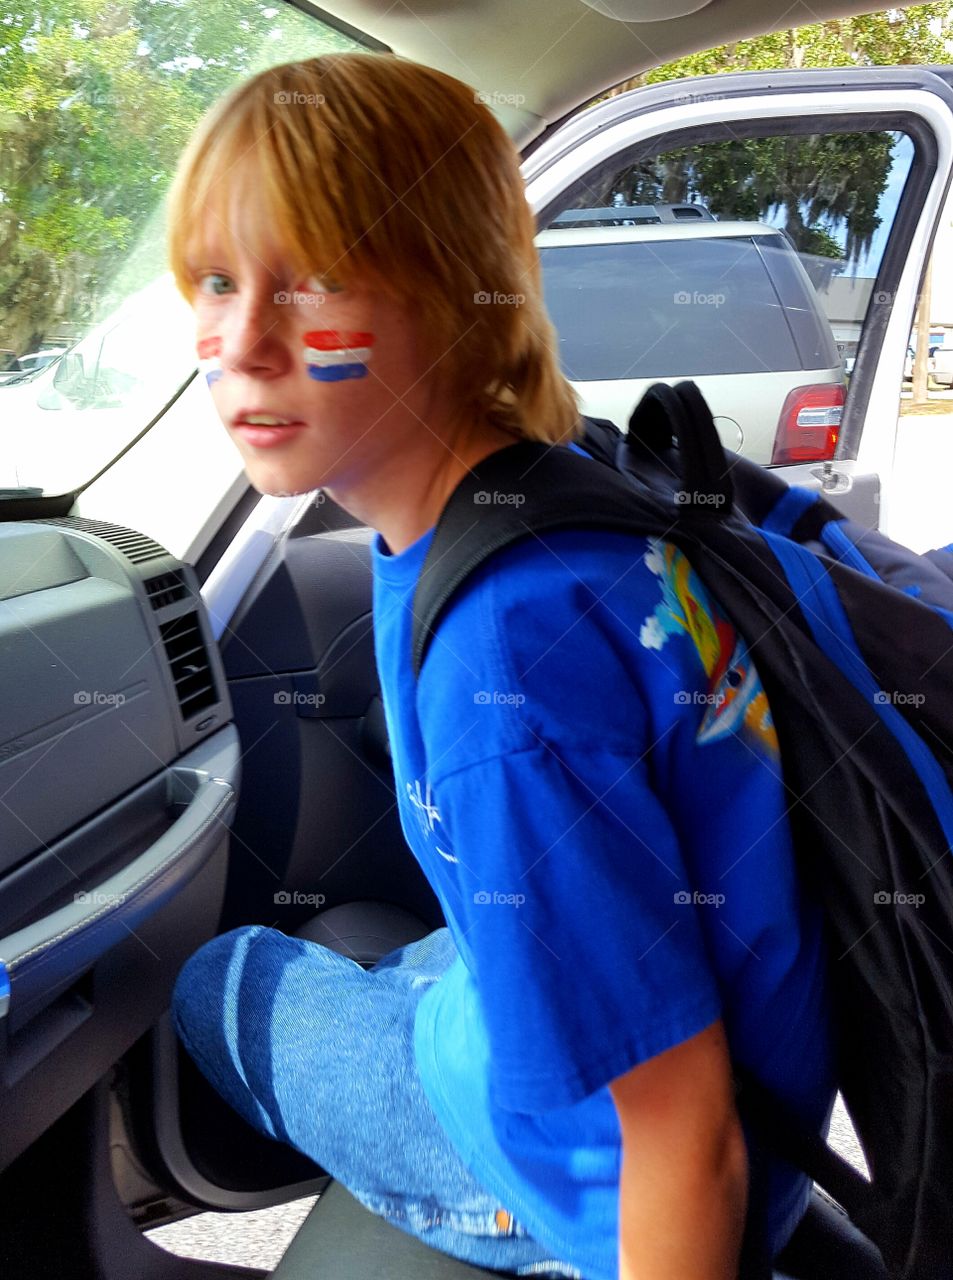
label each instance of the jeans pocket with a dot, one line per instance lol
(421, 1216)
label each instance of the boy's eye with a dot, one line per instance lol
(215, 283)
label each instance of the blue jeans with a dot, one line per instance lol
(315, 1051)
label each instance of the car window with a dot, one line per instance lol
(748, 261)
(620, 313)
(84, 258)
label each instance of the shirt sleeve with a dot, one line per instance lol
(576, 915)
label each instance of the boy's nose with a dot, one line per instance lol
(254, 339)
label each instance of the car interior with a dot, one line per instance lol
(194, 737)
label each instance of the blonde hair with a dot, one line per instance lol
(377, 169)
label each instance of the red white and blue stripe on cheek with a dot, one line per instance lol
(209, 353)
(335, 354)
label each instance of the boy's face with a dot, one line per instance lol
(340, 369)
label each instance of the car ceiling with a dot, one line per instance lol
(558, 54)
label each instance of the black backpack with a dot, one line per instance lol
(852, 635)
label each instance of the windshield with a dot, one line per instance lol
(99, 103)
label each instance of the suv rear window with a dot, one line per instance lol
(664, 308)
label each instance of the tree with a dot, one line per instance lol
(97, 100)
(922, 350)
(914, 36)
(823, 182)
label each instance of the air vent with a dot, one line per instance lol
(134, 546)
(188, 660)
(166, 588)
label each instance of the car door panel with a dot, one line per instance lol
(114, 870)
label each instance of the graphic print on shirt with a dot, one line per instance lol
(738, 703)
(427, 813)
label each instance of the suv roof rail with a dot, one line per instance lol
(633, 215)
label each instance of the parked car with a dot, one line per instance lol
(941, 366)
(200, 619)
(725, 303)
(40, 359)
(31, 363)
(9, 364)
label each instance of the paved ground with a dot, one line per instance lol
(923, 483)
(256, 1239)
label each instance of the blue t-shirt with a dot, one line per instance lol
(588, 775)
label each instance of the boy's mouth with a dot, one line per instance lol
(263, 429)
(257, 418)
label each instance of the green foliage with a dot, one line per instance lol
(826, 184)
(917, 35)
(97, 100)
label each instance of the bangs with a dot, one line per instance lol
(242, 152)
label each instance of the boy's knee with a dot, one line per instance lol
(199, 992)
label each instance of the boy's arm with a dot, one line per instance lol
(684, 1181)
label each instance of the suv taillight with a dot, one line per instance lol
(809, 424)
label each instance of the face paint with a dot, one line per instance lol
(334, 354)
(209, 351)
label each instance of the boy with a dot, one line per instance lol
(587, 772)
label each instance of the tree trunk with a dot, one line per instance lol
(921, 355)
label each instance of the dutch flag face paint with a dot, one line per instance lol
(209, 352)
(334, 354)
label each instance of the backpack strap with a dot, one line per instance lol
(527, 487)
(784, 1135)
(512, 494)
(671, 428)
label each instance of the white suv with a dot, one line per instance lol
(728, 304)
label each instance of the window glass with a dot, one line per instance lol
(97, 104)
(749, 263)
(620, 312)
